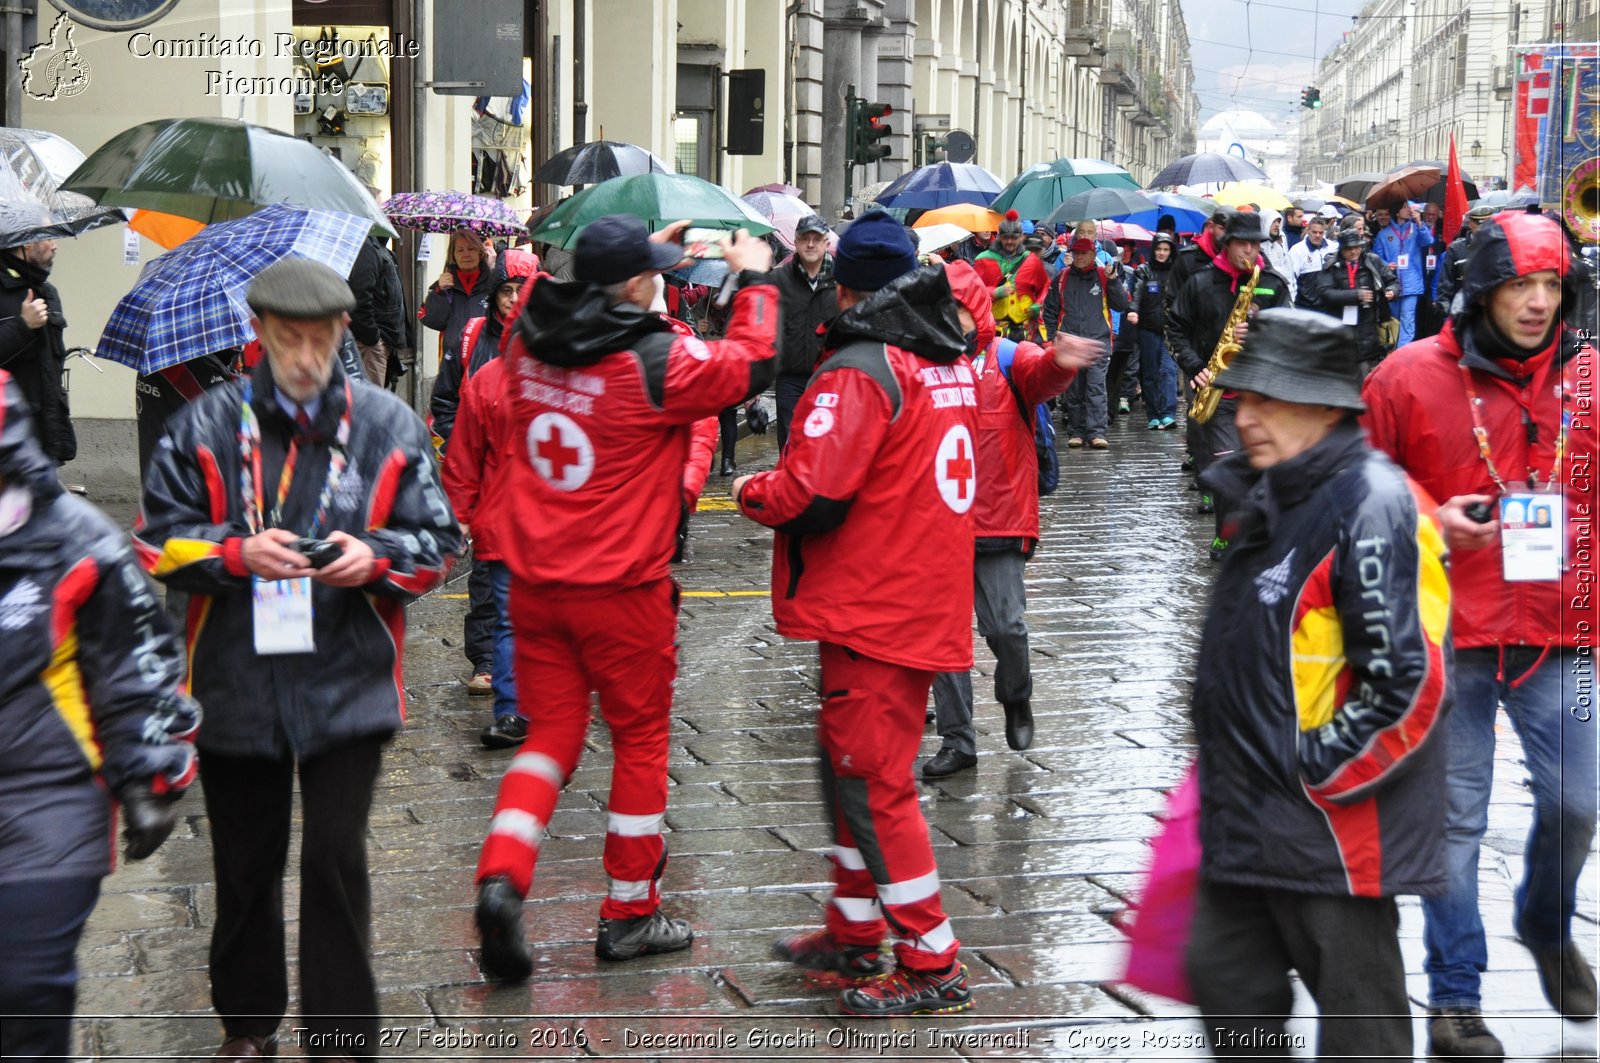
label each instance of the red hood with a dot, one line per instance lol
(971, 292)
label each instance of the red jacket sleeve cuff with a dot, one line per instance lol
(233, 557)
(380, 569)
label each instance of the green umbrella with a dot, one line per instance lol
(218, 169)
(1041, 188)
(658, 199)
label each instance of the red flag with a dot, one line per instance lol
(1455, 196)
(1525, 142)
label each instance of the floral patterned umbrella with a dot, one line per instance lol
(443, 212)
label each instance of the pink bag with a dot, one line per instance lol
(1159, 933)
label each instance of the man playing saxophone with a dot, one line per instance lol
(1201, 309)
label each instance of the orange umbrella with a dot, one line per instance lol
(168, 230)
(969, 216)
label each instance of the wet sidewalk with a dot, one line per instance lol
(1037, 851)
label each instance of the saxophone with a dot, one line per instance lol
(1206, 399)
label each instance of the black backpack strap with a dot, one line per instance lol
(872, 359)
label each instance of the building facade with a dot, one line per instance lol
(1409, 75)
(1023, 81)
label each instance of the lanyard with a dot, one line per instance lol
(250, 467)
(1481, 434)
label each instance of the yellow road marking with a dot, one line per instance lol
(717, 505)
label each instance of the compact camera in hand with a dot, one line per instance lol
(319, 553)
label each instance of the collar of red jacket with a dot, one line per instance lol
(1460, 334)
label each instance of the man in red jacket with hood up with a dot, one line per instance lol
(1497, 412)
(1013, 378)
(602, 395)
(872, 500)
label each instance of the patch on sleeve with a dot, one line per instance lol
(819, 422)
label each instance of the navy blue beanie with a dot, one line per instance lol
(873, 250)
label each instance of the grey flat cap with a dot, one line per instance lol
(300, 288)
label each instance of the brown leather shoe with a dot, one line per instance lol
(248, 1047)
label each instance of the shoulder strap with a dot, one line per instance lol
(653, 350)
(1005, 353)
(872, 359)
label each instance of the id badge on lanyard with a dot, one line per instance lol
(1533, 541)
(281, 611)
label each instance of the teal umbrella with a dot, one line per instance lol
(218, 169)
(658, 199)
(1041, 188)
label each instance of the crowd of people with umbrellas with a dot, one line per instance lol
(1069, 251)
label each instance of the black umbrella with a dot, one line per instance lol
(596, 161)
(1099, 203)
(1207, 168)
(1357, 185)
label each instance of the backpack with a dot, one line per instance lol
(1044, 428)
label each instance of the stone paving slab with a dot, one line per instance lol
(1038, 851)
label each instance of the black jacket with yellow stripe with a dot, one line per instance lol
(1323, 677)
(90, 672)
(191, 535)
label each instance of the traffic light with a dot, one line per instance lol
(1305, 96)
(1311, 96)
(933, 149)
(1316, 97)
(869, 124)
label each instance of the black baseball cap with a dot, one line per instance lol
(613, 248)
(811, 223)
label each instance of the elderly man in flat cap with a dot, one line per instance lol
(301, 511)
(1321, 688)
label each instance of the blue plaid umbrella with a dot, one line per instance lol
(941, 185)
(191, 300)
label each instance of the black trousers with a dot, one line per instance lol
(728, 431)
(248, 801)
(788, 389)
(1245, 940)
(1215, 440)
(39, 936)
(478, 627)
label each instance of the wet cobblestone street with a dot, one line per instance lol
(1037, 851)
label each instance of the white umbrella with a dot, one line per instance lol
(937, 237)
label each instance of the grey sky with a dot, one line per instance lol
(1257, 56)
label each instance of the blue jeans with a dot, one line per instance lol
(1551, 704)
(505, 658)
(1405, 308)
(1159, 376)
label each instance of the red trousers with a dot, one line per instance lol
(883, 871)
(621, 645)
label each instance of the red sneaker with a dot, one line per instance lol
(908, 992)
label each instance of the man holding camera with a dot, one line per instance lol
(301, 511)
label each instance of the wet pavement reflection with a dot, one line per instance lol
(1038, 851)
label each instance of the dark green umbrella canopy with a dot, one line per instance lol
(218, 169)
(1041, 188)
(657, 199)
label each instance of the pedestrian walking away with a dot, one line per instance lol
(80, 729)
(604, 397)
(1320, 690)
(1484, 416)
(300, 510)
(1013, 379)
(872, 502)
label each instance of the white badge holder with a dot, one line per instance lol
(281, 610)
(1533, 537)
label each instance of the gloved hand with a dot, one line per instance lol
(146, 820)
(757, 417)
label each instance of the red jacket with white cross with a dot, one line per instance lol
(873, 504)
